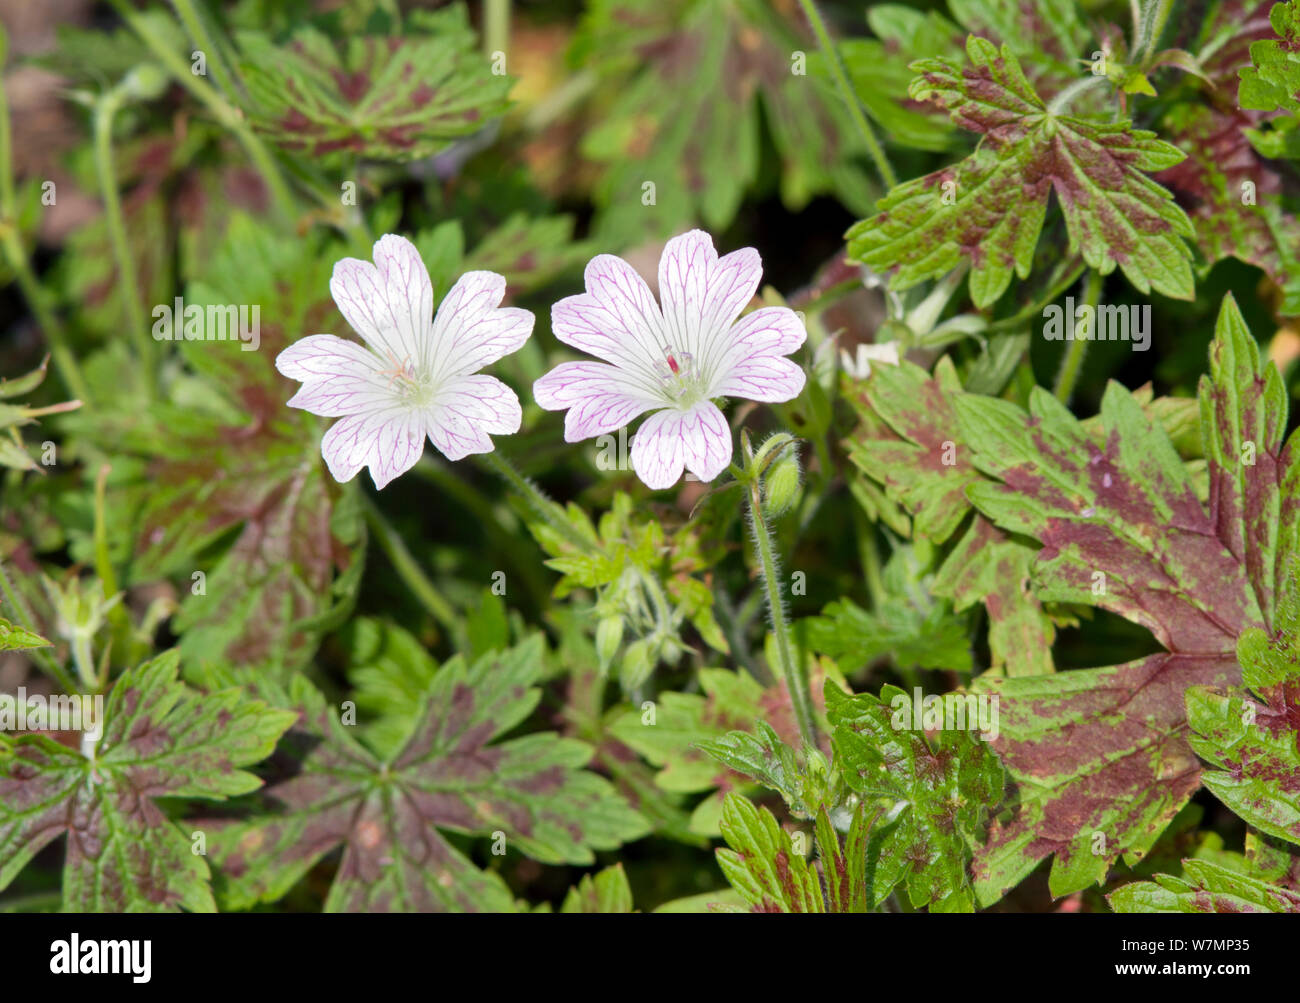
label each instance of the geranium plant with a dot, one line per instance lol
(863, 475)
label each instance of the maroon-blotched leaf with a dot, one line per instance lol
(160, 739)
(389, 814)
(988, 209)
(909, 440)
(1100, 756)
(1229, 190)
(399, 97)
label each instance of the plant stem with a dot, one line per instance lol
(64, 361)
(1068, 375)
(504, 534)
(846, 92)
(796, 678)
(1149, 20)
(408, 569)
(545, 509)
(1036, 309)
(496, 26)
(128, 282)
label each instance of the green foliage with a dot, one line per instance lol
(1256, 743)
(688, 78)
(773, 874)
(935, 794)
(1116, 522)
(1204, 888)
(988, 210)
(388, 811)
(457, 694)
(401, 96)
(160, 739)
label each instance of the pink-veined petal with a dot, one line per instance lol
(482, 401)
(339, 377)
(472, 330)
(320, 356)
(773, 330)
(458, 423)
(600, 398)
(343, 395)
(388, 442)
(389, 303)
(698, 439)
(616, 319)
(703, 294)
(772, 379)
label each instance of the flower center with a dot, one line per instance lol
(679, 376)
(411, 385)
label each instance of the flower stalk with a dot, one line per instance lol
(792, 668)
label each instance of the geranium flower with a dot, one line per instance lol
(416, 374)
(672, 361)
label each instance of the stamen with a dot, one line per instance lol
(678, 375)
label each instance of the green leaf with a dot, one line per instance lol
(160, 739)
(1204, 887)
(879, 71)
(398, 97)
(845, 865)
(685, 80)
(223, 459)
(854, 637)
(1273, 82)
(807, 786)
(987, 210)
(1256, 743)
(936, 793)
(1100, 756)
(16, 638)
(387, 812)
(606, 892)
(909, 440)
(762, 864)
(672, 735)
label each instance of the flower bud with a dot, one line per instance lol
(609, 635)
(145, 82)
(781, 486)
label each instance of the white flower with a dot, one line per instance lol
(859, 366)
(671, 361)
(415, 376)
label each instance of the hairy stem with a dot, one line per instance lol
(496, 26)
(851, 101)
(1072, 364)
(1062, 100)
(796, 678)
(543, 507)
(1149, 20)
